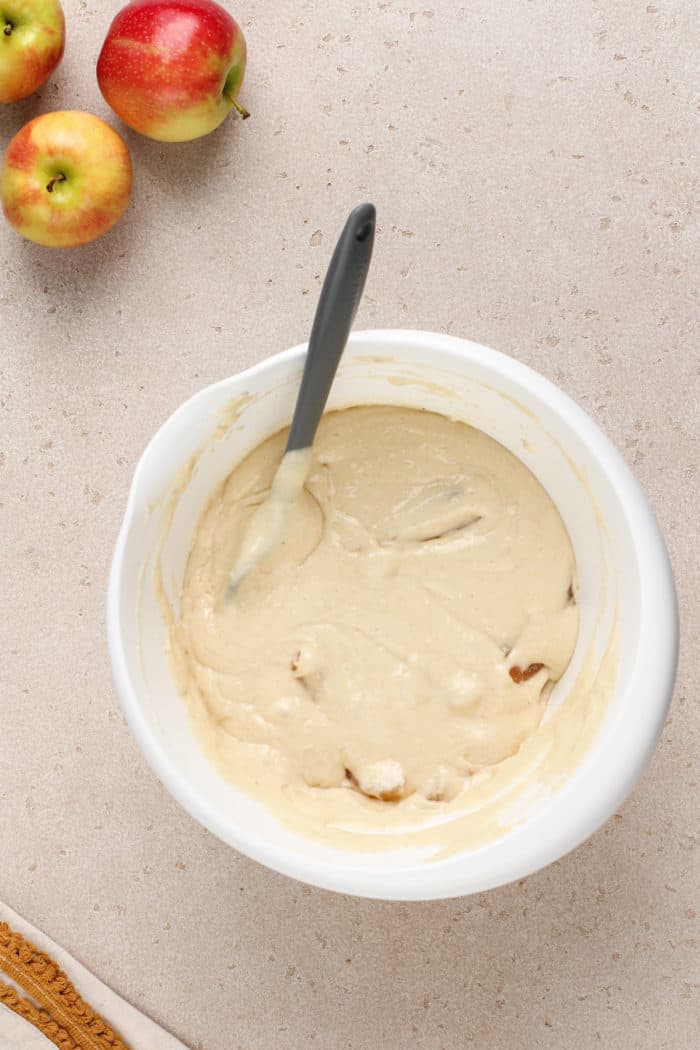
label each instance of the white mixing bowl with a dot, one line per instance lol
(626, 586)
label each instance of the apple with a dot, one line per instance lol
(171, 69)
(65, 180)
(32, 38)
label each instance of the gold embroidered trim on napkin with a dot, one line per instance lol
(56, 1010)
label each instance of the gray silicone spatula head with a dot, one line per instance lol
(335, 313)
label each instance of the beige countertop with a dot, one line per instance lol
(532, 166)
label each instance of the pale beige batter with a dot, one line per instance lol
(397, 648)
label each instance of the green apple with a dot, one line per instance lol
(32, 38)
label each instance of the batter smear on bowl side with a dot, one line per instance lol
(404, 636)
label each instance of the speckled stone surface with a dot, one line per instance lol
(533, 168)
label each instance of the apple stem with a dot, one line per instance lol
(8, 29)
(56, 178)
(237, 105)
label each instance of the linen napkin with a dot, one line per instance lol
(74, 1010)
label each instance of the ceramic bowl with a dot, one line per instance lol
(626, 589)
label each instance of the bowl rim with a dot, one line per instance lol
(609, 773)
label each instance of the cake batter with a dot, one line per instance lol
(399, 644)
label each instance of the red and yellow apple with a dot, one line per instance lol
(65, 180)
(171, 69)
(32, 38)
